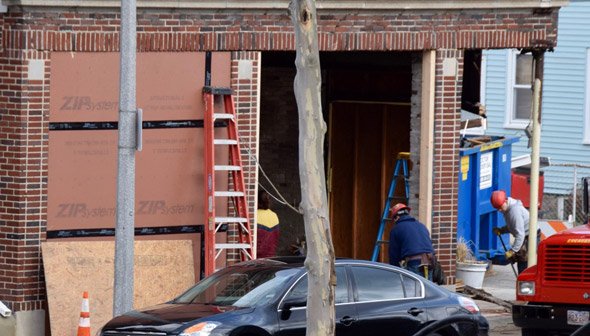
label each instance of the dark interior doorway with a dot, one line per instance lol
(366, 102)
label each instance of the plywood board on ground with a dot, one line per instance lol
(163, 270)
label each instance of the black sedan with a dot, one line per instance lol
(268, 297)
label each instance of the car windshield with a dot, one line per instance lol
(247, 287)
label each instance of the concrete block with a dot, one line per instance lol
(8, 326)
(30, 323)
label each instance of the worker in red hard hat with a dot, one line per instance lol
(409, 242)
(516, 217)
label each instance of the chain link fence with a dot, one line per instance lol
(563, 197)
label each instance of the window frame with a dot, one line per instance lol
(510, 120)
(399, 273)
(303, 277)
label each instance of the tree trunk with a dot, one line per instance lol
(312, 128)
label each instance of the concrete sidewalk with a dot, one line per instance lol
(500, 282)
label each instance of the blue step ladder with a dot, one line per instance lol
(401, 162)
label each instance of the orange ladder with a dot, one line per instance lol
(241, 241)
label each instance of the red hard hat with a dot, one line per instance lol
(498, 198)
(397, 208)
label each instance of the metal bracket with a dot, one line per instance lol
(139, 128)
(539, 45)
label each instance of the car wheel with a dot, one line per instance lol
(533, 332)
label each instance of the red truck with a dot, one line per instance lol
(554, 295)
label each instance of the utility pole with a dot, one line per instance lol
(129, 132)
(534, 191)
(539, 57)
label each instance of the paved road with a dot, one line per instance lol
(501, 325)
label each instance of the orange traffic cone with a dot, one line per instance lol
(84, 325)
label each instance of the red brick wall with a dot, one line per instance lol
(447, 104)
(23, 180)
(247, 103)
(24, 104)
(84, 31)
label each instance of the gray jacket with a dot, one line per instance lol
(517, 222)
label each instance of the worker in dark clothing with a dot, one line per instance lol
(409, 242)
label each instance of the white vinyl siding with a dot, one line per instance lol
(587, 100)
(565, 135)
(482, 79)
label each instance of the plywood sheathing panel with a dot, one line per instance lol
(84, 85)
(163, 270)
(169, 179)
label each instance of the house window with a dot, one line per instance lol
(519, 87)
(587, 101)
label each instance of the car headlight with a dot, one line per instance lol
(526, 288)
(201, 329)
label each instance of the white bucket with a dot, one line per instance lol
(472, 273)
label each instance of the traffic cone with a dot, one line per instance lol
(84, 325)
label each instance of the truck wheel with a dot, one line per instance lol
(533, 332)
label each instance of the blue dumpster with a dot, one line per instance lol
(484, 166)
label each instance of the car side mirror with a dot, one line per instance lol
(290, 303)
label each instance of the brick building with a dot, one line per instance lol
(392, 81)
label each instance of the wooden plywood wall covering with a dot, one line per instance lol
(163, 270)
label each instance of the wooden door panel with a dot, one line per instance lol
(395, 131)
(367, 179)
(341, 181)
(364, 141)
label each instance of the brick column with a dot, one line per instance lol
(24, 106)
(447, 121)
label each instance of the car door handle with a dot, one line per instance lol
(347, 320)
(415, 311)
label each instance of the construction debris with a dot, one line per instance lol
(480, 294)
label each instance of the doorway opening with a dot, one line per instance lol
(366, 104)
